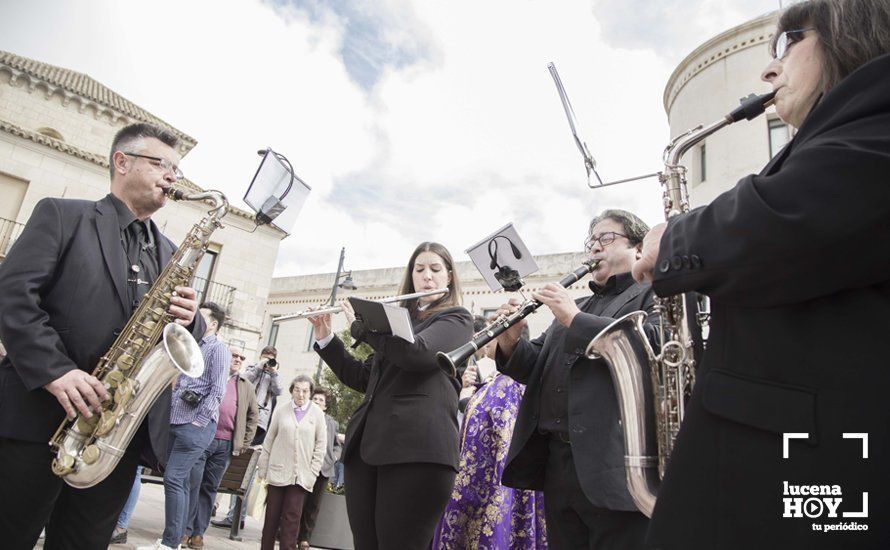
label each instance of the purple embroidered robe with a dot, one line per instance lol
(482, 513)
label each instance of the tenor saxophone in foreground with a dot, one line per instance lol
(137, 367)
(634, 365)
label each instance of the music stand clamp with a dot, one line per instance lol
(503, 259)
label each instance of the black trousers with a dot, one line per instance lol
(32, 497)
(395, 507)
(573, 522)
(310, 508)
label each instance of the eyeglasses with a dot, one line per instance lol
(239, 357)
(786, 40)
(163, 164)
(605, 240)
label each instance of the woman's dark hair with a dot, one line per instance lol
(321, 391)
(851, 33)
(302, 378)
(451, 299)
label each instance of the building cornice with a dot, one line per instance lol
(86, 91)
(723, 45)
(305, 289)
(102, 161)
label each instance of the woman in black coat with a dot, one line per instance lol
(401, 449)
(796, 265)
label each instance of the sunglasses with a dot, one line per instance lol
(236, 356)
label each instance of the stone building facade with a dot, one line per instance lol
(56, 128)
(706, 85)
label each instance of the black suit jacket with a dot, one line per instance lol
(63, 300)
(594, 428)
(409, 413)
(796, 264)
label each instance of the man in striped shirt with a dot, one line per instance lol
(193, 416)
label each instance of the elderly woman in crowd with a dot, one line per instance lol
(293, 452)
(792, 392)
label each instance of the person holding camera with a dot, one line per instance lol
(194, 412)
(264, 377)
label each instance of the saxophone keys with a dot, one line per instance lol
(115, 377)
(90, 454)
(124, 393)
(63, 464)
(124, 363)
(107, 421)
(86, 425)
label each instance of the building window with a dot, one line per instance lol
(310, 339)
(273, 334)
(703, 164)
(204, 273)
(779, 134)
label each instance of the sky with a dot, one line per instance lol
(411, 120)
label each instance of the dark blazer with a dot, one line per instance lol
(409, 413)
(63, 300)
(796, 264)
(594, 428)
(334, 448)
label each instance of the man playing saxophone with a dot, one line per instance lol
(567, 440)
(67, 288)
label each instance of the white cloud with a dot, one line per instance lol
(460, 131)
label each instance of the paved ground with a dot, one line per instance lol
(147, 524)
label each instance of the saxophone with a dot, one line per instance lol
(137, 367)
(656, 386)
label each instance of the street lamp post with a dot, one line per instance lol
(348, 284)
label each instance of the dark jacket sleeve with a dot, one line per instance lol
(522, 361)
(810, 229)
(349, 370)
(586, 326)
(449, 330)
(39, 356)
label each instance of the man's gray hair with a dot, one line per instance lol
(634, 228)
(129, 136)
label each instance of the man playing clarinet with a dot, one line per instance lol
(568, 438)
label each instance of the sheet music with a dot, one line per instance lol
(399, 322)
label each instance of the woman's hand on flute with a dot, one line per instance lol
(321, 324)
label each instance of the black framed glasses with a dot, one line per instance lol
(163, 164)
(605, 239)
(786, 40)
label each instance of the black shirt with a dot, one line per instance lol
(138, 242)
(554, 386)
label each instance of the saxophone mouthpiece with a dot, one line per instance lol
(751, 107)
(174, 193)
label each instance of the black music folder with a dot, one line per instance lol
(383, 318)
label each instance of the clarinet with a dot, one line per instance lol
(450, 361)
